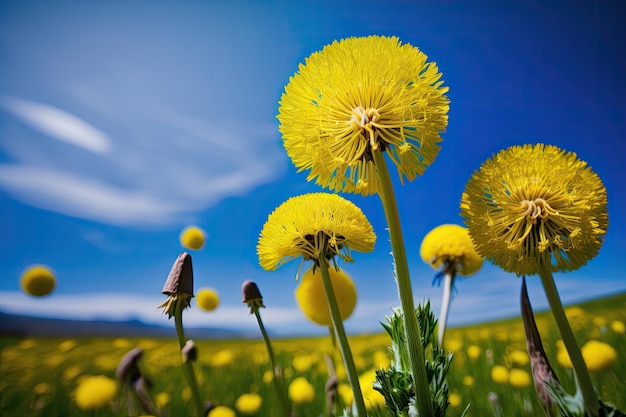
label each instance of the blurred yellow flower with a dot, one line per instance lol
(473, 351)
(381, 360)
(192, 237)
(71, 372)
(453, 344)
(162, 399)
(345, 392)
(221, 411)
(618, 327)
(311, 297)
(222, 358)
(207, 299)
(598, 356)
(94, 392)
(358, 96)
(531, 208)
(268, 376)
(301, 391)
(371, 397)
(248, 403)
(468, 381)
(41, 389)
(450, 246)
(519, 378)
(67, 345)
(314, 226)
(38, 280)
(500, 374)
(454, 399)
(518, 357)
(302, 362)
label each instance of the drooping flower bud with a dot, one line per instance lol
(178, 286)
(251, 295)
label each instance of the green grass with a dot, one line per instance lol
(38, 376)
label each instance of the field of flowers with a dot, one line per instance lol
(490, 369)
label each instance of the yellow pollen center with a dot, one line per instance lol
(365, 119)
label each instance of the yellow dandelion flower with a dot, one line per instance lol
(301, 391)
(519, 378)
(381, 360)
(222, 358)
(454, 399)
(162, 399)
(41, 389)
(192, 237)
(372, 397)
(94, 392)
(311, 297)
(67, 345)
(71, 372)
(518, 357)
(598, 356)
(314, 226)
(207, 299)
(450, 246)
(500, 374)
(562, 357)
(453, 344)
(468, 381)
(358, 96)
(221, 411)
(268, 376)
(533, 208)
(248, 404)
(345, 392)
(302, 363)
(38, 280)
(473, 351)
(618, 327)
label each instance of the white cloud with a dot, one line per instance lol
(58, 124)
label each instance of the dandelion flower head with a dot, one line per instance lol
(301, 391)
(221, 411)
(95, 392)
(207, 299)
(315, 226)
(599, 356)
(311, 296)
(38, 280)
(519, 378)
(536, 208)
(450, 245)
(248, 403)
(357, 96)
(192, 237)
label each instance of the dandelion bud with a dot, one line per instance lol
(128, 369)
(190, 352)
(251, 294)
(180, 279)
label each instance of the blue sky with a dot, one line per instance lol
(122, 122)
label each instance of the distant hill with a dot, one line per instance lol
(18, 325)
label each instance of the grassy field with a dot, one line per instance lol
(38, 377)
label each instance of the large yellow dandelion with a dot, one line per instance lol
(94, 392)
(314, 226)
(358, 96)
(536, 207)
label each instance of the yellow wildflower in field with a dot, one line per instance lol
(94, 392)
(67, 345)
(162, 399)
(518, 357)
(473, 352)
(345, 392)
(222, 358)
(618, 327)
(38, 280)
(358, 96)
(314, 226)
(450, 246)
(301, 391)
(370, 395)
(536, 207)
(599, 356)
(121, 343)
(71, 372)
(303, 362)
(380, 359)
(500, 374)
(453, 344)
(192, 237)
(468, 381)
(268, 376)
(221, 411)
(248, 403)
(311, 296)
(41, 389)
(454, 399)
(207, 299)
(519, 378)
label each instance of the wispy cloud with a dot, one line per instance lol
(58, 124)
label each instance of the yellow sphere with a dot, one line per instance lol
(192, 237)
(38, 280)
(207, 299)
(451, 243)
(311, 296)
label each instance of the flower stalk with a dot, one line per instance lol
(583, 379)
(448, 283)
(344, 346)
(405, 289)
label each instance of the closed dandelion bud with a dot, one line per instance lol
(178, 286)
(190, 351)
(128, 369)
(251, 294)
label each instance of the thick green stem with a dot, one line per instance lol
(405, 289)
(344, 347)
(278, 375)
(590, 398)
(445, 307)
(187, 366)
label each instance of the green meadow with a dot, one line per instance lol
(490, 369)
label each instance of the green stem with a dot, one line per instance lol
(278, 375)
(405, 290)
(344, 347)
(590, 398)
(187, 366)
